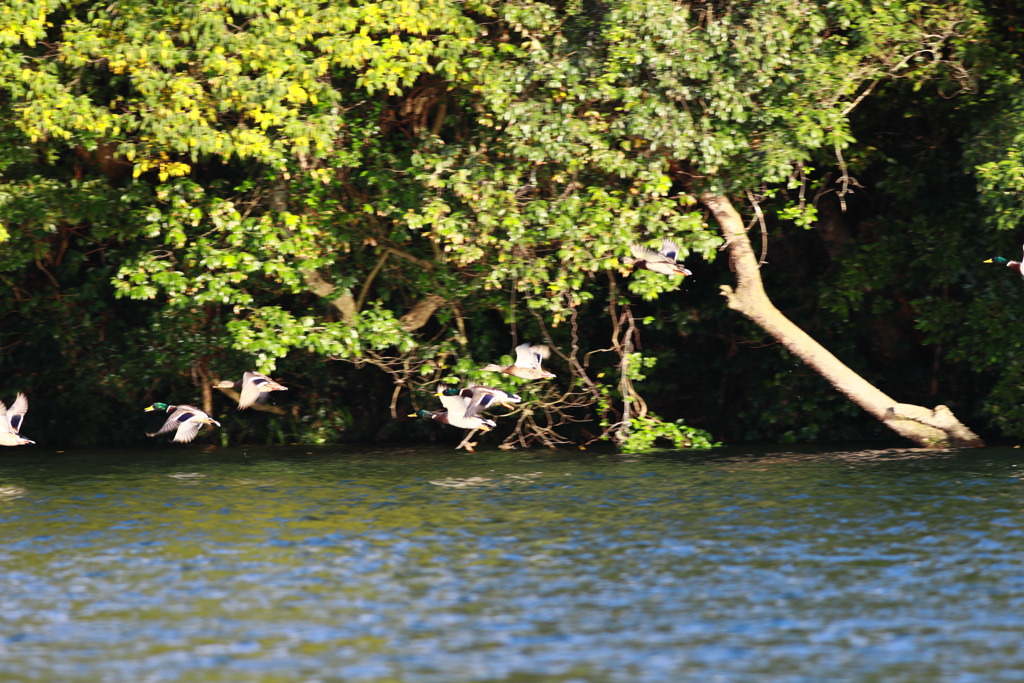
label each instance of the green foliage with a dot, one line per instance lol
(644, 433)
(227, 79)
(635, 363)
(197, 188)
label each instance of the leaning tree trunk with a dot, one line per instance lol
(938, 427)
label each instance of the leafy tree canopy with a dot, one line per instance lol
(297, 176)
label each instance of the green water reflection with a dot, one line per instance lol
(340, 564)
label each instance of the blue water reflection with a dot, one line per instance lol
(342, 564)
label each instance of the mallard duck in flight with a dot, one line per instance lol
(662, 262)
(187, 420)
(527, 365)
(482, 398)
(455, 410)
(454, 414)
(252, 387)
(10, 422)
(455, 420)
(1013, 265)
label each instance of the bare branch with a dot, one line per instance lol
(764, 229)
(425, 265)
(860, 98)
(421, 312)
(369, 280)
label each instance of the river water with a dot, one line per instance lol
(335, 564)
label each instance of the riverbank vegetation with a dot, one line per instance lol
(366, 200)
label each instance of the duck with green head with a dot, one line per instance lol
(454, 412)
(1012, 265)
(184, 421)
(444, 417)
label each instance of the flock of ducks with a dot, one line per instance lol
(184, 421)
(461, 407)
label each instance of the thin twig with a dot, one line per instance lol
(825, 189)
(512, 306)
(369, 280)
(844, 179)
(764, 229)
(860, 98)
(394, 400)
(803, 185)
(425, 265)
(52, 279)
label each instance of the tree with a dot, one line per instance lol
(293, 175)
(727, 98)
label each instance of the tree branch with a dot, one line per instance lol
(425, 265)
(421, 312)
(369, 280)
(927, 427)
(346, 303)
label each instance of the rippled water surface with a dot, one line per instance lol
(342, 564)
